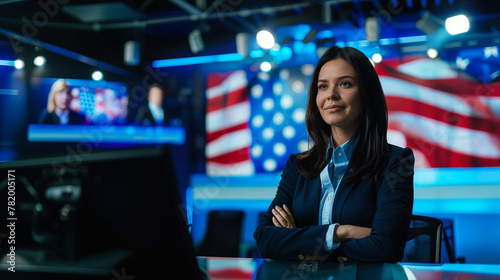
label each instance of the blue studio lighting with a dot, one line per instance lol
(285, 53)
(96, 134)
(412, 39)
(256, 53)
(6, 62)
(196, 60)
(325, 34)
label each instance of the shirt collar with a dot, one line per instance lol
(347, 147)
(153, 106)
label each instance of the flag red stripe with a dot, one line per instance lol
(461, 86)
(395, 103)
(231, 157)
(215, 79)
(211, 136)
(441, 157)
(233, 92)
(222, 101)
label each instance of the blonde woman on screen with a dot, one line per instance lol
(58, 110)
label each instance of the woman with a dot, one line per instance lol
(350, 196)
(58, 111)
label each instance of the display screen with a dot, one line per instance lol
(94, 102)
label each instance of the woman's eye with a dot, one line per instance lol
(345, 84)
(322, 87)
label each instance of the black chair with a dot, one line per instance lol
(223, 235)
(423, 243)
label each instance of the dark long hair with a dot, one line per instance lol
(372, 151)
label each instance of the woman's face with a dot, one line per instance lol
(62, 99)
(339, 98)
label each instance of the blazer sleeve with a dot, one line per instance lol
(141, 115)
(392, 218)
(289, 243)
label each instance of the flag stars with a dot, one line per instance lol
(490, 51)
(462, 63)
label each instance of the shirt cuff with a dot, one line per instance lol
(330, 245)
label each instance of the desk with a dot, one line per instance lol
(247, 268)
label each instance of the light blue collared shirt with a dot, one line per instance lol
(157, 112)
(340, 158)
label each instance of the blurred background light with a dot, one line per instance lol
(307, 69)
(265, 66)
(265, 39)
(39, 61)
(377, 58)
(457, 24)
(284, 74)
(432, 53)
(97, 76)
(19, 64)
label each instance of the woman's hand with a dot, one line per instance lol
(348, 232)
(283, 217)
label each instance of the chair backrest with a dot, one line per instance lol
(223, 235)
(423, 243)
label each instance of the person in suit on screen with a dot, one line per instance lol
(58, 106)
(153, 113)
(350, 196)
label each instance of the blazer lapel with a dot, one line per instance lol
(341, 195)
(309, 195)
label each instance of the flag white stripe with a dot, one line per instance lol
(244, 168)
(492, 103)
(399, 88)
(228, 117)
(457, 139)
(235, 81)
(229, 142)
(429, 69)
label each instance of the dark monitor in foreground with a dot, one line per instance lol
(113, 214)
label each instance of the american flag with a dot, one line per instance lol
(446, 110)
(444, 114)
(228, 135)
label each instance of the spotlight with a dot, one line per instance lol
(432, 53)
(265, 39)
(457, 24)
(429, 23)
(39, 61)
(377, 57)
(372, 29)
(196, 41)
(19, 64)
(97, 76)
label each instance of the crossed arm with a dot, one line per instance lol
(279, 237)
(283, 217)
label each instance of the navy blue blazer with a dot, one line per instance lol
(52, 118)
(384, 205)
